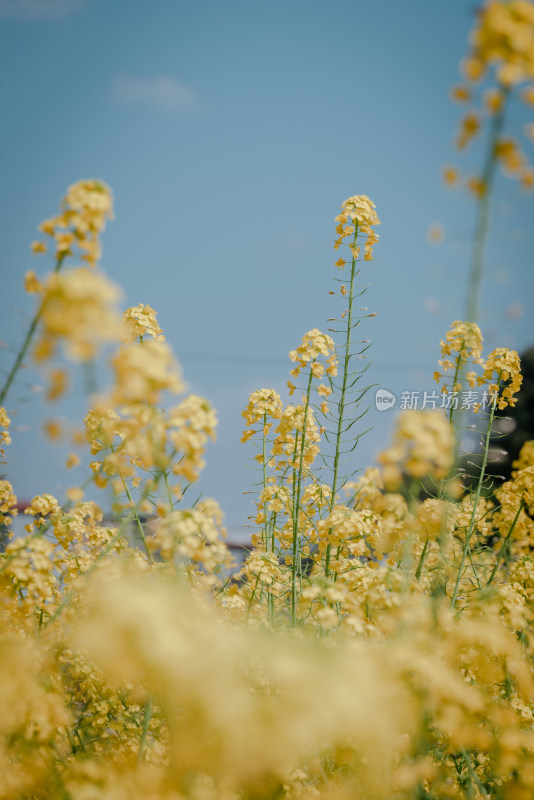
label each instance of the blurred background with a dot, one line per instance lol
(230, 134)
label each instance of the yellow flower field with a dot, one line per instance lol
(377, 643)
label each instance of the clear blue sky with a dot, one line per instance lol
(230, 133)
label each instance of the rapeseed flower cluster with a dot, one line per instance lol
(8, 503)
(127, 426)
(464, 340)
(422, 446)
(84, 212)
(358, 215)
(504, 37)
(5, 437)
(140, 321)
(263, 405)
(502, 49)
(314, 343)
(142, 371)
(506, 366)
(78, 309)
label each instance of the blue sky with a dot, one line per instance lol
(230, 134)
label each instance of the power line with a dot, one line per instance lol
(243, 358)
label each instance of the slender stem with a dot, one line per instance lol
(483, 209)
(72, 743)
(136, 517)
(341, 404)
(264, 535)
(27, 341)
(472, 521)
(165, 474)
(146, 725)
(455, 422)
(267, 540)
(459, 365)
(419, 569)
(79, 737)
(473, 775)
(479, 584)
(294, 546)
(505, 543)
(296, 504)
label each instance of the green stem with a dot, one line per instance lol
(473, 775)
(146, 725)
(459, 365)
(265, 533)
(505, 543)
(472, 521)
(341, 404)
(296, 505)
(482, 220)
(26, 343)
(137, 520)
(79, 737)
(170, 498)
(455, 423)
(419, 569)
(479, 584)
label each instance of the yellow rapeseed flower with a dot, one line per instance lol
(78, 309)
(469, 128)
(315, 344)
(503, 366)
(8, 502)
(450, 176)
(493, 100)
(464, 341)
(31, 282)
(504, 37)
(84, 211)
(357, 216)
(422, 445)
(57, 384)
(144, 370)
(141, 321)
(5, 437)
(461, 94)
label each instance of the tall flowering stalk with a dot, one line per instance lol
(483, 197)
(290, 496)
(502, 376)
(358, 218)
(264, 407)
(76, 230)
(313, 345)
(300, 498)
(502, 47)
(502, 51)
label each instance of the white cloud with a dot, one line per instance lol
(163, 92)
(40, 9)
